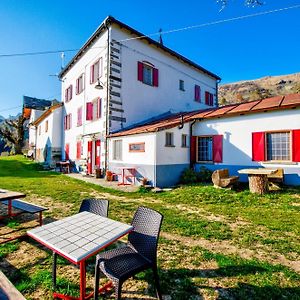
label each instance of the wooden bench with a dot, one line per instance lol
(7, 289)
(221, 179)
(28, 207)
(276, 179)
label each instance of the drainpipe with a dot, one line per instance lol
(107, 98)
(191, 134)
(181, 123)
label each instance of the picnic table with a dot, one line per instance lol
(77, 238)
(258, 179)
(8, 196)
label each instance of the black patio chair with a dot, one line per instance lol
(93, 205)
(138, 255)
(96, 206)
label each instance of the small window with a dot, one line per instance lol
(184, 140)
(148, 75)
(79, 84)
(68, 122)
(117, 150)
(68, 93)
(209, 99)
(278, 146)
(46, 126)
(79, 116)
(96, 71)
(205, 148)
(137, 147)
(169, 139)
(181, 85)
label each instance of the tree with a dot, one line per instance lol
(251, 3)
(13, 132)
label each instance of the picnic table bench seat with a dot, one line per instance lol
(221, 178)
(28, 207)
(7, 289)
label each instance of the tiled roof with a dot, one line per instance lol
(269, 104)
(46, 113)
(274, 103)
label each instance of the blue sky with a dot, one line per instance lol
(238, 50)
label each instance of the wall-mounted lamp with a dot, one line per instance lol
(100, 85)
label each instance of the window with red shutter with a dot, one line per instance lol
(155, 77)
(140, 71)
(197, 93)
(92, 74)
(207, 98)
(89, 111)
(193, 150)
(258, 146)
(98, 108)
(79, 116)
(296, 145)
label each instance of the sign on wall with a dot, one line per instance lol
(137, 147)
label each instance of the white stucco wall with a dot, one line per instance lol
(141, 101)
(32, 130)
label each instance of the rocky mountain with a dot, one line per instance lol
(265, 87)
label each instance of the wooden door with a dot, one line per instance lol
(97, 153)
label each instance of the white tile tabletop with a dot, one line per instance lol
(80, 235)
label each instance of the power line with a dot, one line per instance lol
(158, 33)
(11, 108)
(214, 22)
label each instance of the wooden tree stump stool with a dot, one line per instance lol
(258, 183)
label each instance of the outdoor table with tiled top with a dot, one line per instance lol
(77, 238)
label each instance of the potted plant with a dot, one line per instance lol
(98, 172)
(109, 175)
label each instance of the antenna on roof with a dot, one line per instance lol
(62, 56)
(160, 36)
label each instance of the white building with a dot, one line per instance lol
(260, 133)
(119, 78)
(46, 135)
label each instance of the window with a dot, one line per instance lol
(209, 99)
(181, 85)
(147, 73)
(93, 110)
(169, 139)
(197, 93)
(46, 126)
(184, 140)
(137, 147)
(79, 84)
(68, 93)
(79, 116)
(278, 146)
(78, 149)
(117, 150)
(67, 121)
(205, 148)
(96, 71)
(208, 149)
(40, 130)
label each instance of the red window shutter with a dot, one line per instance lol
(207, 98)
(140, 71)
(92, 74)
(193, 150)
(258, 146)
(78, 148)
(79, 116)
(66, 95)
(67, 151)
(211, 99)
(70, 120)
(155, 77)
(99, 108)
(296, 145)
(197, 93)
(89, 111)
(218, 148)
(71, 91)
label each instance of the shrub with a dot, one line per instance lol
(188, 176)
(204, 174)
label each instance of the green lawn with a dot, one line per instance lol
(215, 244)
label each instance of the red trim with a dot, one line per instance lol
(82, 279)
(197, 93)
(78, 148)
(258, 146)
(67, 150)
(218, 148)
(296, 145)
(89, 111)
(89, 161)
(193, 150)
(155, 77)
(140, 71)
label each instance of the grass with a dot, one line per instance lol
(215, 244)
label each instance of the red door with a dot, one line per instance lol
(67, 151)
(97, 153)
(89, 160)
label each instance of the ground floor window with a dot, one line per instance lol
(117, 150)
(278, 146)
(205, 148)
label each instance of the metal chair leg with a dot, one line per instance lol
(54, 255)
(157, 285)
